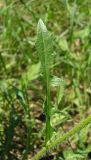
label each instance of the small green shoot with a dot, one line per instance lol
(45, 51)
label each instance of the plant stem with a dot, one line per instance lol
(47, 106)
(62, 138)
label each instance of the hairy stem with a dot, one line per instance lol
(47, 106)
(62, 138)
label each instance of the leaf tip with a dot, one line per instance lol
(41, 25)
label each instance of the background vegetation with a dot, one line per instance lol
(21, 86)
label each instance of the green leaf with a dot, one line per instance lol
(60, 91)
(63, 44)
(45, 49)
(59, 118)
(55, 81)
(83, 134)
(58, 82)
(84, 33)
(70, 155)
(31, 73)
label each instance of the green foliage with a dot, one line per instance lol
(31, 74)
(55, 141)
(45, 51)
(57, 78)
